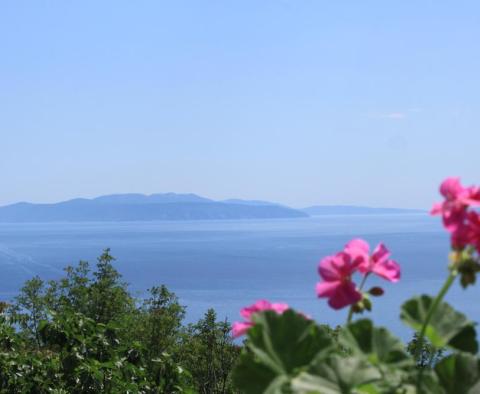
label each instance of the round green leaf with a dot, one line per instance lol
(447, 326)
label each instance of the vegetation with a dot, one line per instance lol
(286, 352)
(85, 333)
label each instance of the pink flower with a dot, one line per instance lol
(240, 328)
(457, 199)
(336, 271)
(378, 263)
(461, 237)
(474, 229)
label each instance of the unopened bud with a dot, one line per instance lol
(376, 291)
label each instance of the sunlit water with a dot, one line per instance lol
(228, 264)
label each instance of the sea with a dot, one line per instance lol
(228, 264)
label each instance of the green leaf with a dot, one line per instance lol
(429, 383)
(447, 327)
(278, 347)
(379, 348)
(253, 376)
(459, 374)
(336, 375)
(287, 341)
(377, 344)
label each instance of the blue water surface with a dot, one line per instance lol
(229, 264)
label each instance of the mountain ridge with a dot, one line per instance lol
(172, 206)
(141, 207)
(321, 210)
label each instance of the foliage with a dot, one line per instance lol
(446, 327)
(85, 333)
(427, 356)
(283, 351)
(210, 354)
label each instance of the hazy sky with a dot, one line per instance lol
(300, 102)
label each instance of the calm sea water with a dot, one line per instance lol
(228, 264)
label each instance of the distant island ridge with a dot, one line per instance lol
(171, 206)
(319, 210)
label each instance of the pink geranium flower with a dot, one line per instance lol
(240, 328)
(336, 272)
(378, 263)
(461, 237)
(457, 199)
(474, 229)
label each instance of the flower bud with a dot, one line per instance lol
(376, 291)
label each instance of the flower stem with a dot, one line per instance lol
(350, 315)
(433, 307)
(441, 294)
(362, 283)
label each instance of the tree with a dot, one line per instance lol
(109, 298)
(161, 321)
(85, 333)
(30, 308)
(209, 354)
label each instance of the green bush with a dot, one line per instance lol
(85, 333)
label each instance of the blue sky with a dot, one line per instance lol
(300, 102)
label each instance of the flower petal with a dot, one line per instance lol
(474, 229)
(451, 188)
(473, 196)
(387, 269)
(328, 270)
(437, 209)
(380, 254)
(454, 216)
(279, 307)
(345, 294)
(345, 264)
(327, 289)
(259, 306)
(240, 328)
(358, 250)
(358, 244)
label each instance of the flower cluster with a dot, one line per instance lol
(337, 271)
(459, 219)
(240, 328)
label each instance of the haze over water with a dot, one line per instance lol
(228, 264)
